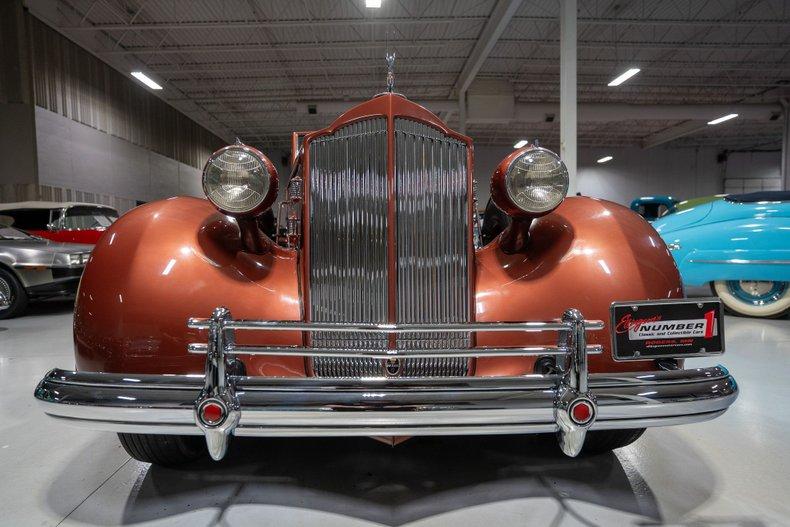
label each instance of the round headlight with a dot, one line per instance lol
(531, 182)
(240, 180)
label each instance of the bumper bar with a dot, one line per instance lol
(321, 407)
(265, 406)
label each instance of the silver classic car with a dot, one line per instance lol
(32, 268)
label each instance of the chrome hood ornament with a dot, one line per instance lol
(390, 58)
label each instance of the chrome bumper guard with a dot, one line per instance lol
(266, 406)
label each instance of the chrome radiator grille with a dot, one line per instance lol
(348, 232)
(433, 222)
(348, 240)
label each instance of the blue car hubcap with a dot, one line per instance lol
(758, 293)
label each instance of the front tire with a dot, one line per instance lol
(754, 298)
(600, 441)
(12, 289)
(165, 450)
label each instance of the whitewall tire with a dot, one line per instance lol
(754, 298)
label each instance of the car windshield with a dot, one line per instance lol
(10, 233)
(82, 218)
(651, 211)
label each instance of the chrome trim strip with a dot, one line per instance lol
(741, 261)
(531, 351)
(313, 384)
(290, 325)
(303, 384)
(133, 428)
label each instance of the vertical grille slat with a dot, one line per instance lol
(348, 239)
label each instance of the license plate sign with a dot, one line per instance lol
(659, 329)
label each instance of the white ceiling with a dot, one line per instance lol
(248, 68)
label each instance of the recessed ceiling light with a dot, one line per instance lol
(617, 81)
(145, 79)
(723, 118)
(373, 4)
(521, 144)
(605, 159)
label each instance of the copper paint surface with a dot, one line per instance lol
(586, 254)
(164, 262)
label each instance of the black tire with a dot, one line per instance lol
(10, 285)
(598, 442)
(165, 450)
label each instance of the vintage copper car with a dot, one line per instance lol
(373, 314)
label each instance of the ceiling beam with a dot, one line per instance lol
(400, 21)
(672, 133)
(296, 46)
(475, 60)
(503, 11)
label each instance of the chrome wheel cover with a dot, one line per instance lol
(6, 292)
(757, 292)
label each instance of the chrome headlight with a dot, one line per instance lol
(239, 180)
(530, 182)
(537, 181)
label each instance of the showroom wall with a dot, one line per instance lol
(77, 162)
(753, 171)
(17, 134)
(98, 136)
(681, 172)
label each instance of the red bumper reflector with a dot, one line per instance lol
(581, 412)
(211, 413)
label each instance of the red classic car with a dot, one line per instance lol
(61, 222)
(374, 314)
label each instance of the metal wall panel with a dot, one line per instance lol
(72, 82)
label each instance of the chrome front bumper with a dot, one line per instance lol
(265, 406)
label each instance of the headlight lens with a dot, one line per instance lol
(537, 181)
(236, 180)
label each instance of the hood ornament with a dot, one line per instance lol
(390, 57)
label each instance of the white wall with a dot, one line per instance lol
(680, 172)
(753, 171)
(77, 157)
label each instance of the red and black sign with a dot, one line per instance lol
(656, 329)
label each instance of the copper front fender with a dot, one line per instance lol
(165, 262)
(586, 254)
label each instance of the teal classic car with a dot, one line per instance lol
(740, 245)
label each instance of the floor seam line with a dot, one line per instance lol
(66, 517)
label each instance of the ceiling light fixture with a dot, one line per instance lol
(145, 79)
(373, 4)
(605, 159)
(521, 144)
(617, 81)
(723, 118)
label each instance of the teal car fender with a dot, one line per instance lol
(730, 239)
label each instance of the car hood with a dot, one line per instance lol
(682, 219)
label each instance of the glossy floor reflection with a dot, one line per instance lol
(731, 471)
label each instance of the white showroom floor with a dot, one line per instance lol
(731, 471)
